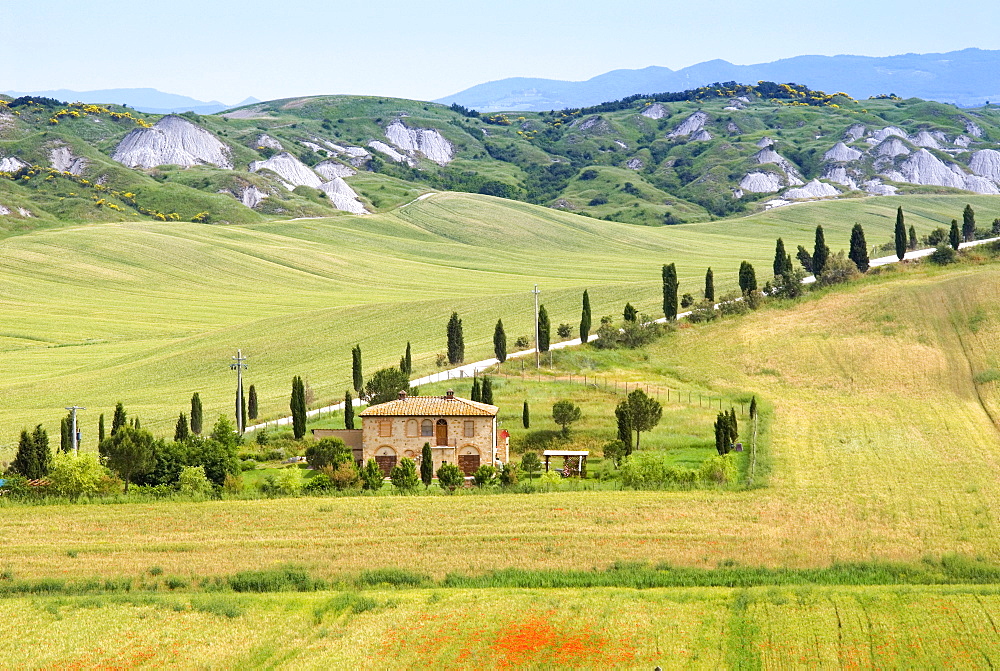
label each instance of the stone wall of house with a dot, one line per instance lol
(403, 443)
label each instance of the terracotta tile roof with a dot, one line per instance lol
(424, 406)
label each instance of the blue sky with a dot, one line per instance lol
(229, 49)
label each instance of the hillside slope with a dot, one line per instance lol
(158, 308)
(675, 158)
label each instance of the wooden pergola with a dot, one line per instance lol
(581, 460)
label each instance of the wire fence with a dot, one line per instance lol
(612, 385)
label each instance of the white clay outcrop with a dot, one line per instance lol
(342, 196)
(690, 126)
(654, 111)
(761, 182)
(62, 159)
(814, 189)
(330, 169)
(291, 170)
(841, 153)
(265, 141)
(986, 163)
(172, 141)
(855, 132)
(383, 148)
(424, 141)
(887, 132)
(12, 164)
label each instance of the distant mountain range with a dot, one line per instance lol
(150, 101)
(967, 78)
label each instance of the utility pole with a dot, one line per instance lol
(76, 436)
(536, 292)
(239, 367)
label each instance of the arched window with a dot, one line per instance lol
(427, 428)
(412, 427)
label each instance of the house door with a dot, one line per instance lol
(385, 457)
(442, 432)
(468, 461)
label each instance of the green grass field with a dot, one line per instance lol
(148, 313)
(882, 446)
(912, 627)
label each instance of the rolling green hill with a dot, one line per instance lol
(651, 160)
(148, 313)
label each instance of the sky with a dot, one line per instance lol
(228, 50)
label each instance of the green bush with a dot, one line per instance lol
(450, 477)
(653, 470)
(508, 475)
(944, 254)
(193, 480)
(404, 475)
(285, 483)
(485, 475)
(328, 452)
(344, 477)
(718, 470)
(73, 476)
(614, 452)
(372, 477)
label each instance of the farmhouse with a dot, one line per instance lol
(459, 431)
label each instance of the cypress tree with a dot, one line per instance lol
(196, 416)
(348, 410)
(709, 285)
(65, 441)
(252, 409)
(820, 252)
(805, 258)
(734, 432)
(720, 433)
(585, 318)
(408, 357)
(426, 465)
(624, 422)
(33, 458)
(100, 429)
(486, 395)
(913, 239)
(243, 410)
(753, 407)
(900, 234)
(118, 421)
(181, 429)
(670, 291)
(477, 393)
(630, 313)
(456, 340)
(135, 422)
(26, 460)
(748, 278)
(544, 330)
(859, 248)
(780, 258)
(968, 224)
(525, 416)
(358, 379)
(499, 342)
(297, 405)
(954, 237)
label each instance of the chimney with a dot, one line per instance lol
(450, 394)
(402, 395)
